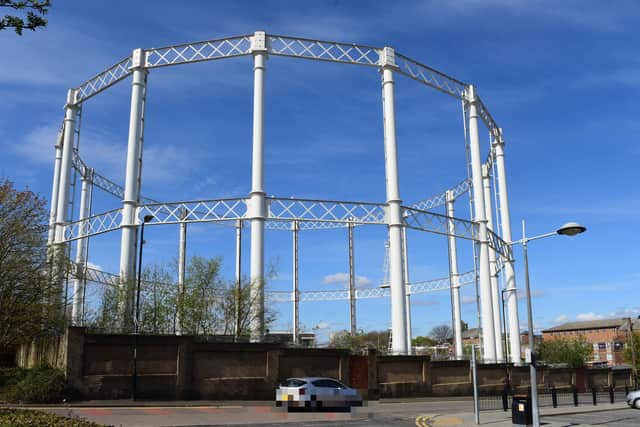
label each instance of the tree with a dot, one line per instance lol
(441, 333)
(631, 353)
(378, 340)
(574, 353)
(421, 341)
(30, 303)
(34, 10)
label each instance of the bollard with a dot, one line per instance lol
(626, 390)
(554, 397)
(595, 396)
(611, 397)
(575, 396)
(505, 402)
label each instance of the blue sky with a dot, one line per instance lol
(561, 78)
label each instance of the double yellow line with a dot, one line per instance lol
(423, 421)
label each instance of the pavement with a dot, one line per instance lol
(408, 412)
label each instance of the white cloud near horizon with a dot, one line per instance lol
(343, 279)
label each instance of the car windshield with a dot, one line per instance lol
(292, 382)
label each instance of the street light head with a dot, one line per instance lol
(147, 218)
(571, 229)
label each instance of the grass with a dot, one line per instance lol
(22, 417)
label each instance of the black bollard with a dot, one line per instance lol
(554, 397)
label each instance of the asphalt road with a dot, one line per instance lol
(619, 418)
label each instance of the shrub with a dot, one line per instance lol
(21, 417)
(11, 376)
(41, 384)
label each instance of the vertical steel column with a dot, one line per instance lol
(454, 276)
(71, 111)
(257, 208)
(238, 295)
(81, 249)
(509, 272)
(54, 189)
(352, 282)
(495, 289)
(394, 210)
(407, 298)
(132, 184)
(182, 263)
(488, 331)
(296, 292)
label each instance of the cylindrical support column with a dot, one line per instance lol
(295, 228)
(407, 299)
(509, 271)
(394, 210)
(71, 111)
(257, 205)
(55, 187)
(182, 263)
(238, 293)
(81, 249)
(132, 184)
(454, 277)
(495, 288)
(488, 331)
(352, 282)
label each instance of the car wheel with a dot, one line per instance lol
(636, 403)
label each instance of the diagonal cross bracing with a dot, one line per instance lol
(197, 211)
(198, 51)
(438, 223)
(325, 211)
(104, 80)
(440, 199)
(430, 77)
(94, 225)
(323, 50)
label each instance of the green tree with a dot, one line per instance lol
(378, 340)
(574, 353)
(421, 341)
(441, 333)
(33, 12)
(631, 352)
(30, 301)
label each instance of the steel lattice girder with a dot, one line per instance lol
(197, 211)
(325, 211)
(94, 225)
(430, 77)
(104, 80)
(323, 50)
(499, 245)
(199, 51)
(438, 223)
(440, 199)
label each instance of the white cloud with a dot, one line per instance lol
(343, 279)
(322, 326)
(589, 316)
(561, 318)
(535, 293)
(468, 299)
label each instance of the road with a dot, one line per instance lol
(415, 412)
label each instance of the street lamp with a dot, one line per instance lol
(569, 229)
(145, 220)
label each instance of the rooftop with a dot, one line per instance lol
(619, 323)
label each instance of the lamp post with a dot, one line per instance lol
(569, 229)
(146, 219)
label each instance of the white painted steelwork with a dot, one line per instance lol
(237, 308)
(257, 209)
(394, 209)
(509, 271)
(278, 213)
(493, 268)
(55, 188)
(81, 250)
(182, 263)
(132, 174)
(296, 291)
(488, 332)
(454, 278)
(352, 282)
(405, 269)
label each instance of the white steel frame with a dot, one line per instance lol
(260, 212)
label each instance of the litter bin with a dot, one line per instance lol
(521, 410)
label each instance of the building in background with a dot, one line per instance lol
(607, 337)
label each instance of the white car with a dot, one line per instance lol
(316, 392)
(633, 399)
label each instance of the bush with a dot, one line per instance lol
(41, 384)
(21, 417)
(11, 376)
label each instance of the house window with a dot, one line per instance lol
(602, 346)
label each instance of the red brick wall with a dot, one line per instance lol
(605, 337)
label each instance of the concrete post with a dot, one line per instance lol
(488, 331)
(509, 272)
(257, 205)
(454, 277)
(132, 184)
(394, 210)
(81, 249)
(495, 288)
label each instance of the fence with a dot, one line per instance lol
(553, 397)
